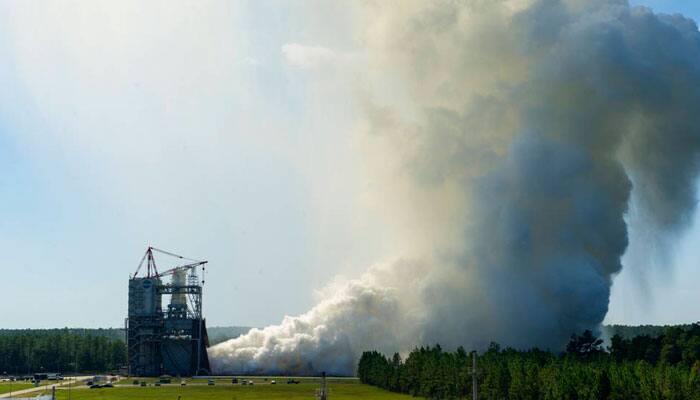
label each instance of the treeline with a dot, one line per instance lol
(59, 350)
(631, 331)
(69, 350)
(110, 333)
(676, 345)
(663, 367)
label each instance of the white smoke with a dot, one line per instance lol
(326, 338)
(511, 163)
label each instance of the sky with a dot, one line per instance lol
(217, 130)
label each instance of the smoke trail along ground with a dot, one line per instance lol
(535, 122)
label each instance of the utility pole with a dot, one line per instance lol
(200, 316)
(322, 392)
(11, 379)
(474, 380)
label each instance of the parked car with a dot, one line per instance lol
(211, 382)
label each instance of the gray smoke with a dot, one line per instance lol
(525, 129)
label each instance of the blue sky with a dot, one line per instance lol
(688, 8)
(200, 130)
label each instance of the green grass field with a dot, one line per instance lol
(339, 389)
(5, 387)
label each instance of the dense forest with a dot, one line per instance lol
(69, 350)
(61, 350)
(663, 366)
(628, 332)
(110, 333)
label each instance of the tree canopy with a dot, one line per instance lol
(61, 350)
(666, 366)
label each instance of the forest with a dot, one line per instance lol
(661, 366)
(61, 350)
(70, 350)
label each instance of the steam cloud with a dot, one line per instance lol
(528, 127)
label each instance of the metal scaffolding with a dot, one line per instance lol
(173, 340)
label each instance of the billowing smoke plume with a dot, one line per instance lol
(528, 126)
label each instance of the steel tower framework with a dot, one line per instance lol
(169, 341)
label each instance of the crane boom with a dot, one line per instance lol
(181, 268)
(152, 271)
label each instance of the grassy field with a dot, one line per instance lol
(339, 389)
(264, 380)
(5, 387)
